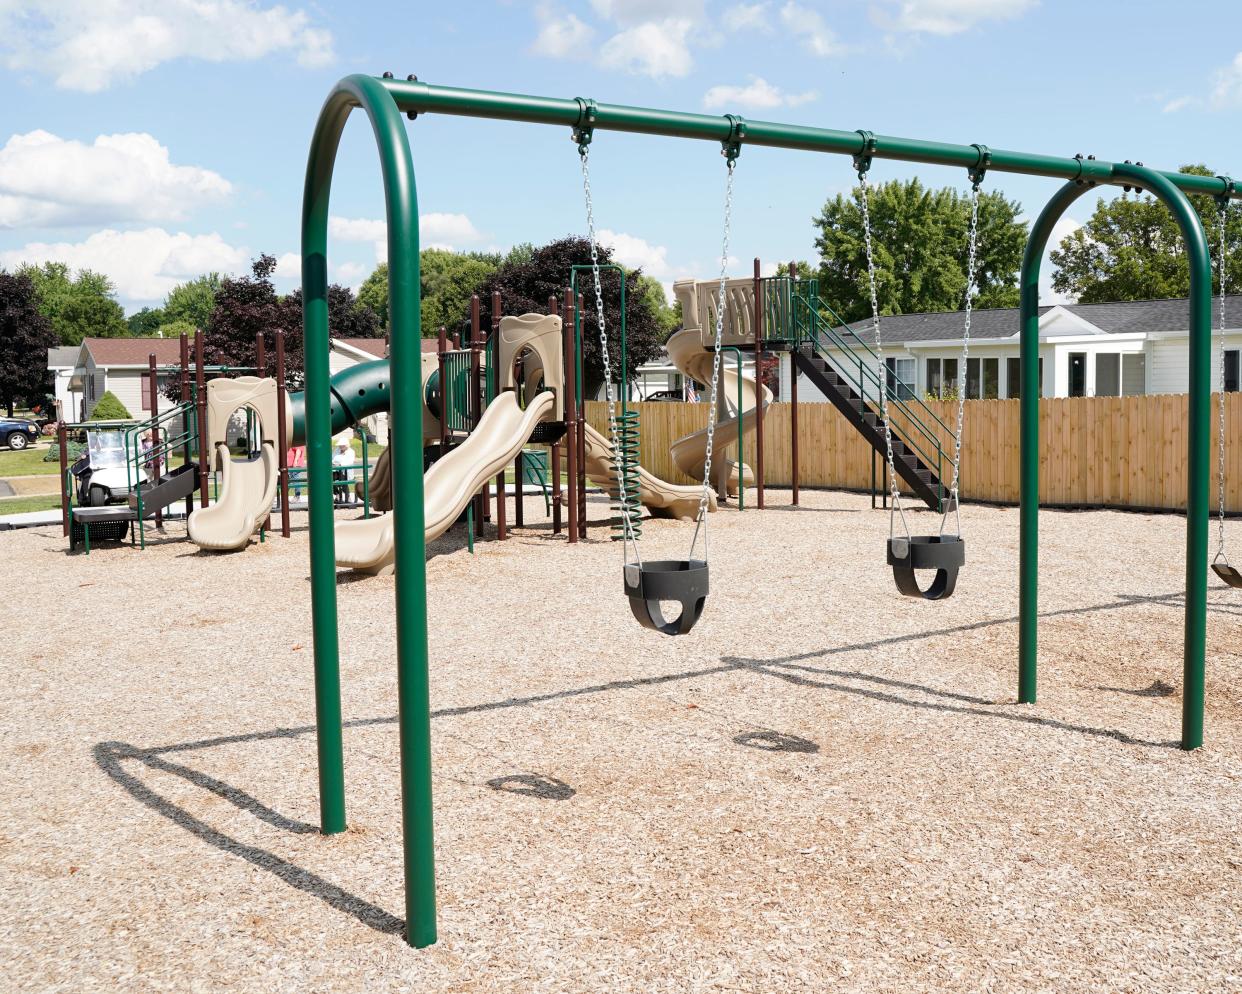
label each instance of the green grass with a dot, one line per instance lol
(28, 462)
(20, 505)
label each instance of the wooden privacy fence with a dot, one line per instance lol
(1094, 451)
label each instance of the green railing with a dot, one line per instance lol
(455, 391)
(160, 452)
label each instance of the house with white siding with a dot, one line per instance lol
(1085, 350)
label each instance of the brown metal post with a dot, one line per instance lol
(570, 405)
(282, 433)
(153, 373)
(186, 454)
(62, 440)
(758, 386)
(793, 394)
(441, 348)
(582, 501)
(554, 454)
(260, 355)
(502, 531)
(476, 404)
(200, 403)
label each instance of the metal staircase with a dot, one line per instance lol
(845, 369)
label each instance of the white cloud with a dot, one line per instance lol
(811, 29)
(351, 274)
(758, 93)
(561, 35)
(950, 17)
(289, 266)
(436, 230)
(653, 48)
(88, 45)
(634, 252)
(1178, 103)
(1227, 92)
(47, 180)
(629, 13)
(748, 17)
(143, 264)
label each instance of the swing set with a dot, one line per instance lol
(646, 584)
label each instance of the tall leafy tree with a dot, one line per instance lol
(78, 306)
(373, 294)
(146, 322)
(1132, 249)
(447, 281)
(526, 283)
(25, 336)
(919, 240)
(193, 301)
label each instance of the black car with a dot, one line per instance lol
(17, 433)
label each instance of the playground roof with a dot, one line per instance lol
(1111, 318)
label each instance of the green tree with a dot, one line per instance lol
(1132, 249)
(447, 281)
(25, 337)
(146, 322)
(193, 301)
(175, 329)
(919, 239)
(109, 408)
(667, 318)
(78, 306)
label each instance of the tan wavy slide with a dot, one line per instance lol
(662, 499)
(247, 490)
(367, 544)
(686, 351)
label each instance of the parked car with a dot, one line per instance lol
(17, 433)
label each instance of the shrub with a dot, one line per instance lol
(109, 408)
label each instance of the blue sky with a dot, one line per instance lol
(155, 139)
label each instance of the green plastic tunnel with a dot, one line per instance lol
(357, 392)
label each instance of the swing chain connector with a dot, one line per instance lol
(731, 147)
(584, 127)
(1230, 187)
(862, 160)
(980, 168)
(1079, 179)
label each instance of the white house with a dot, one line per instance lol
(61, 361)
(1086, 350)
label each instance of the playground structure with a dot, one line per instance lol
(385, 101)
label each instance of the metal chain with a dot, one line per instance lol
(628, 540)
(701, 522)
(972, 255)
(1220, 402)
(894, 491)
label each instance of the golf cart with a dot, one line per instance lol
(102, 472)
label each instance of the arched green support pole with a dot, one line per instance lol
(1198, 450)
(407, 483)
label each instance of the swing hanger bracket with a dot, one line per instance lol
(1230, 186)
(731, 147)
(980, 168)
(862, 159)
(584, 127)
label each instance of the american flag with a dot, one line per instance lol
(692, 395)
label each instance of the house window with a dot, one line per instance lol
(1108, 375)
(1013, 377)
(1134, 374)
(982, 379)
(1078, 374)
(941, 378)
(1231, 371)
(901, 372)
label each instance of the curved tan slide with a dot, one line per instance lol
(379, 484)
(667, 500)
(367, 544)
(247, 490)
(685, 350)
(247, 486)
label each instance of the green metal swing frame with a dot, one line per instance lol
(385, 101)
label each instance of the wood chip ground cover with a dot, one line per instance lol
(824, 786)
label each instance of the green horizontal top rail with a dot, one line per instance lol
(415, 96)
